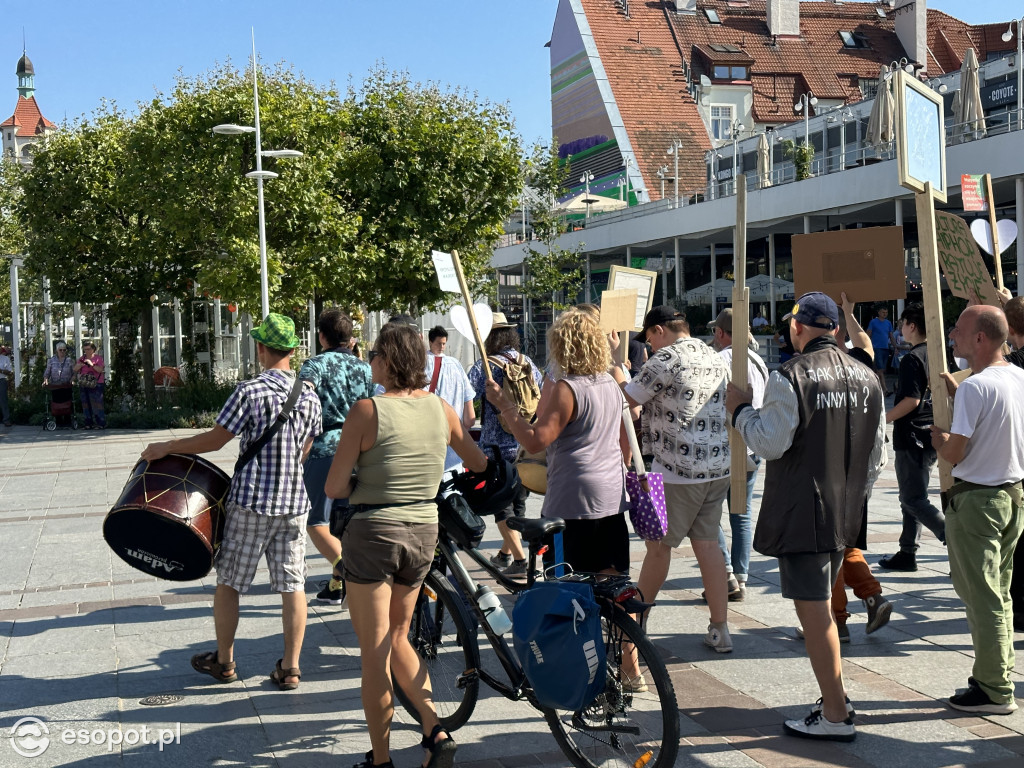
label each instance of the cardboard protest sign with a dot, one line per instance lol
(865, 263)
(618, 310)
(640, 280)
(965, 270)
(972, 190)
(447, 277)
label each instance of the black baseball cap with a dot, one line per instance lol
(817, 310)
(660, 315)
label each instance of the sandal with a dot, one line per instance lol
(368, 762)
(280, 674)
(207, 664)
(442, 753)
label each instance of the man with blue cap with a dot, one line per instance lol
(821, 429)
(267, 505)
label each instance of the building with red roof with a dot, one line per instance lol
(27, 125)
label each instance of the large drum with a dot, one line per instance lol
(169, 518)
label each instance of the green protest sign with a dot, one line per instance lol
(965, 270)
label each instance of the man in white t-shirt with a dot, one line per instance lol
(737, 561)
(682, 391)
(448, 380)
(985, 507)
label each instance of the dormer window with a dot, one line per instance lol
(852, 39)
(730, 72)
(712, 15)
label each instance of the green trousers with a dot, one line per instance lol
(982, 528)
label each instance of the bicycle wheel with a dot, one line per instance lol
(635, 722)
(444, 635)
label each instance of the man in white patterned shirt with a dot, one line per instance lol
(267, 505)
(682, 391)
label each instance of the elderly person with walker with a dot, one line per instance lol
(396, 443)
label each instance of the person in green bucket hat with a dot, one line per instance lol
(266, 505)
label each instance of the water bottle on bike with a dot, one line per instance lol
(496, 616)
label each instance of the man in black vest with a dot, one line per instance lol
(821, 429)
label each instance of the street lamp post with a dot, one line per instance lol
(674, 151)
(846, 113)
(585, 179)
(259, 174)
(661, 173)
(1020, 68)
(807, 100)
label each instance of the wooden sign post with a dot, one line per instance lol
(740, 313)
(996, 254)
(472, 315)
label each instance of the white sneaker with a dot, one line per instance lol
(636, 684)
(816, 726)
(718, 639)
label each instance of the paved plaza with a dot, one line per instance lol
(84, 639)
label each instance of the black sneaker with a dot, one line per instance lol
(879, 611)
(901, 561)
(973, 699)
(331, 596)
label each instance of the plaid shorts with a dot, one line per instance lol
(248, 536)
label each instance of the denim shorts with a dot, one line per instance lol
(388, 550)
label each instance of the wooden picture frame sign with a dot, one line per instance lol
(643, 281)
(618, 310)
(920, 137)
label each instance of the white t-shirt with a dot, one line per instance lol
(989, 411)
(757, 376)
(682, 389)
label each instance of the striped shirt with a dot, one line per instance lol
(271, 484)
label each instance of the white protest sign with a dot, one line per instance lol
(982, 231)
(460, 319)
(446, 276)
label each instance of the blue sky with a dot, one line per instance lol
(127, 50)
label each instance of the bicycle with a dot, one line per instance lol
(634, 723)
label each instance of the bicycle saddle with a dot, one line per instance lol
(535, 530)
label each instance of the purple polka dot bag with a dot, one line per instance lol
(647, 510)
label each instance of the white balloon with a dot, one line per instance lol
(982, 232)
(460, 320)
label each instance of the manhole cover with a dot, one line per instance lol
(164, 698)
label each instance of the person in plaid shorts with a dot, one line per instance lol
(267, 505)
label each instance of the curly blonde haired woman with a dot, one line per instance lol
(579, 422)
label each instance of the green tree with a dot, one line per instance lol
(12, 235)
(424, 168)
(803, 156)
(555, 274)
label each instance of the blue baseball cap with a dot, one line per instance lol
(817, 310)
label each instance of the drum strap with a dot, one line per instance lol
(269, 432)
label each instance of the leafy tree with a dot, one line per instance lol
(12, 236)
(424, 168)
(554, 271)
(803, 156)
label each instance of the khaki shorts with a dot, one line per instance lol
(249, 536)
(694, 510)
(388, 550)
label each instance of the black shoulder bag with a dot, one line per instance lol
(269, 432)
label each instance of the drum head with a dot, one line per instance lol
(160, 546)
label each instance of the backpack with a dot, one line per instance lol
(556, 632)
(518, 386)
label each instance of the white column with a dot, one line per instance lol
(1020, 225)
(77, 309)
(664, 278)
(771, 274)
(47, 319)
(900, 303)
(155, 311)
(218, 339)
(16, 321)
(807, 225)
(105, 336)
(679, 267)
(311, 307)
(177, 333)
(586, 257)
(714, 273)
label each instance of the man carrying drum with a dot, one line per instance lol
(266, 505)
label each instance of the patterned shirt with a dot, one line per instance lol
(491, 432)
(340, 379)
(59, 371)
(454, 387)
(682, 390)
(271, 484)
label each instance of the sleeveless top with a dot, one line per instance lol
(586, 476)
(406, 462)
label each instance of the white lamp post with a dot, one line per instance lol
(846, 113)
(804, 105)
(1020, 68)
(674, 151)
(259, 174)
(585, 179)
(661, 173)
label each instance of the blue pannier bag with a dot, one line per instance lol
(556, 631)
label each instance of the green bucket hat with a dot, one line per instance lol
(276, 332)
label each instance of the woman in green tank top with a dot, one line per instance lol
(396, 442)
